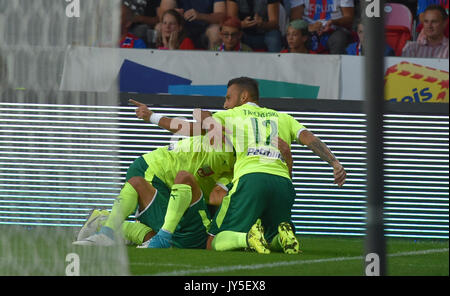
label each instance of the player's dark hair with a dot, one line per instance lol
(438, 8)
(248, 84)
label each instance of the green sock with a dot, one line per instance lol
(124, 205)
(135, 231)
(179, 200)
(275, 244)
(229, 240)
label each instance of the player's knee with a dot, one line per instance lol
(184, 177)
(145, 191)
(136, 182)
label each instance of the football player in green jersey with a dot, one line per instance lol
(262, 188)
(181, 172)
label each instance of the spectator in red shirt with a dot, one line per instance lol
(173, 35)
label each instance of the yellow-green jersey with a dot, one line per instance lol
(254, 130)
(194, 155)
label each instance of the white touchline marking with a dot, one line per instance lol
(286, 263)
(161, 264)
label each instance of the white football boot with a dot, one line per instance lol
(102, 238)
(92, 224)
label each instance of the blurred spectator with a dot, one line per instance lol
(259, 22)
(144, 20)
(173, 34)
(297, 37)
(421, 6)
(435, 44)
(231, 34)
(128, 40)
(199, 15)
(356, 48)
(329, 22)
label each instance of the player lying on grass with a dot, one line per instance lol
(175, 176)
(262, 185)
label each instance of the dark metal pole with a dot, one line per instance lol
(374, 44)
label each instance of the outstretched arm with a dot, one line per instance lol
(321, 149)
(177, 126)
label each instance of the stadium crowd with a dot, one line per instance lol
(298, 26)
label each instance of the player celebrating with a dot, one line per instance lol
(181, 172)
(271, 193)
(262, 187)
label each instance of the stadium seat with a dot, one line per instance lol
(398, 26)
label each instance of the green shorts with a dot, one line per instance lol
(191, 232)
(137, 169)
(253, 196)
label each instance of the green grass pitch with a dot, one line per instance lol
(44, 251)
(321, 256)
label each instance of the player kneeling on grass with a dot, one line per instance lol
(262, 184)
(155, 183)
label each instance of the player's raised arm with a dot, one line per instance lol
(321, 149)
(177, 126)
